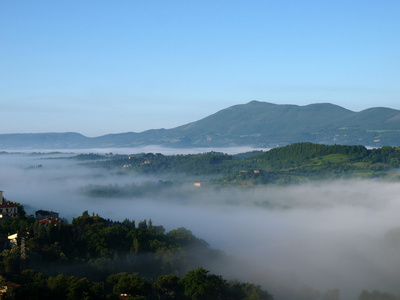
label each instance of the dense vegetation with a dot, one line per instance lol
(299, 155)
(96, 258)
(295, 163)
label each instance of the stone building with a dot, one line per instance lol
(8, 209)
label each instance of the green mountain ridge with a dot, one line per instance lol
(258, 124)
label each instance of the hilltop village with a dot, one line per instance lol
(9, 211)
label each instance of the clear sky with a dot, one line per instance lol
(99, 67)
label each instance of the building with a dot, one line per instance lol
(45, 214)
(49, 221)
(8, 209)
(13, 240)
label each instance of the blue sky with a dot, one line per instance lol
(99, 67)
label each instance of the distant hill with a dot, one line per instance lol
(258, 124)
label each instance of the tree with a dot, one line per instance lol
(167, 287)
(375, 295)
(133, 285)
(394, 162)
(333, 294)
(199, 285)
(58, 286)
(182, 237)
(10, 262)
(114, 278)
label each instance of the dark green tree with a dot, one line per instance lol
(133, 285)
(200, 285)
(167, 287)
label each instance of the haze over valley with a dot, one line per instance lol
(317, 236)
(200, 150)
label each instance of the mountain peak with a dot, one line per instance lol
(256, 102)
(256, 123)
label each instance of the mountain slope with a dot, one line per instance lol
(269, 125)
(256, 123)
(265, 123)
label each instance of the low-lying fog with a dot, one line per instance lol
(327, 235)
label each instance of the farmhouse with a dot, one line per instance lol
(45, 214)
(49, 221)
(8, 209)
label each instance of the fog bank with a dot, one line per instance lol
(326, 235)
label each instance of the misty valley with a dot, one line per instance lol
(304, 221)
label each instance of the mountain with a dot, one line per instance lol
(258, 124)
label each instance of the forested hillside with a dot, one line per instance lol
(296, 163)
(96, 258)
